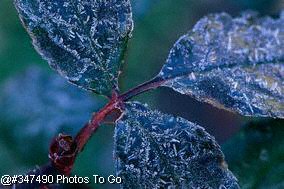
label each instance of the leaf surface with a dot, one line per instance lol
(233, 63)
(83, 40)
(156, 150)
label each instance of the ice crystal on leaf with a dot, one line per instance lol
(232, 63)
(155, 150)
(83, 40)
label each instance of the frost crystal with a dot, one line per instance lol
(156, 150)
(83, 40)
(236, 64)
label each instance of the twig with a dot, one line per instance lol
(64, 148)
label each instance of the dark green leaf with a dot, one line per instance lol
(156, 150)
(256, 155)
(236, 64)
(36, 106)
(83, 40)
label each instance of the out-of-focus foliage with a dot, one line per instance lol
(142, 7)
(256, 155)
(235, 64)
(260, 5)
(36, 106)
(155, 150)
(84, 41)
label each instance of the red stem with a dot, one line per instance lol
(64, 149)
(149, 85)
(86, 132)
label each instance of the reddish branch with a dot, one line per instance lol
(152, 84)
(64, 148)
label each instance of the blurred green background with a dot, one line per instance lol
(158, 24)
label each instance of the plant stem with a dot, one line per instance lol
(86, 132)
(64, 149)
(152, 84)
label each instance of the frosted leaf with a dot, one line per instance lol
(257, 161)
(36, 106)
(155, 150)
(236, 64)
(83, 40)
